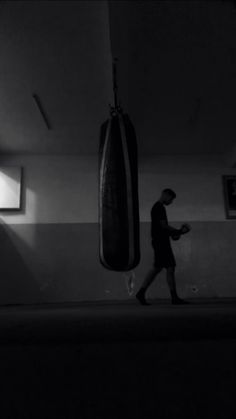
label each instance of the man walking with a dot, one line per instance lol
(161, 232)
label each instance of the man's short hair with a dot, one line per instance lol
(169, 192)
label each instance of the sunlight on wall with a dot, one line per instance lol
(31, 201)
(29, 210)
(56, 189)
(24, 239)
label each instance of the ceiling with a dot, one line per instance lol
(176, 74)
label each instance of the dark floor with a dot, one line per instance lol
(118, 360)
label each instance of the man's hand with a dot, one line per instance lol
(175, 237)
(185, 228)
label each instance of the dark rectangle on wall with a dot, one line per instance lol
(229, 186)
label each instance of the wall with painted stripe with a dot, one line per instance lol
(64, 189)
(49, 250)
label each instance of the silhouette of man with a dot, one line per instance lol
(161, 232)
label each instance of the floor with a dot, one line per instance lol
(118, 360)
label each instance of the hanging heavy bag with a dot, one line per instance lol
(118, 191)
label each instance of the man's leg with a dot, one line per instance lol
(170, 276)
(146, 284)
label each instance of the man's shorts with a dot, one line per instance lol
(163, 255)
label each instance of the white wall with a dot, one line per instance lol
(57, 189)
(64, 189)
(197, 180)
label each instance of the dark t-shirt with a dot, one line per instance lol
(158, 233)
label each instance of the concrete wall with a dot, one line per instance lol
(50, 248)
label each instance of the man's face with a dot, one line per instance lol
(168, 199)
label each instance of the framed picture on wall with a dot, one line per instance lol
(229, 185)
(10, 188)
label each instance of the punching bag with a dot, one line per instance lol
(118, 191)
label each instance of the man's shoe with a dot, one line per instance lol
(141, 298)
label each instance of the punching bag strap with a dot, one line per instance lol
(114, 74)
(128, 188)
(102, 179)
(116, 109)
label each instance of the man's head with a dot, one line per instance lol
(167, 196)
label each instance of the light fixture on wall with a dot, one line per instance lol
(41, 110)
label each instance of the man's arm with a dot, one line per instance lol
(171, 230)
(185, 228)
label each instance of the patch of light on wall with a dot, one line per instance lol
(10, 188)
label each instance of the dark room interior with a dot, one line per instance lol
(75, 342)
